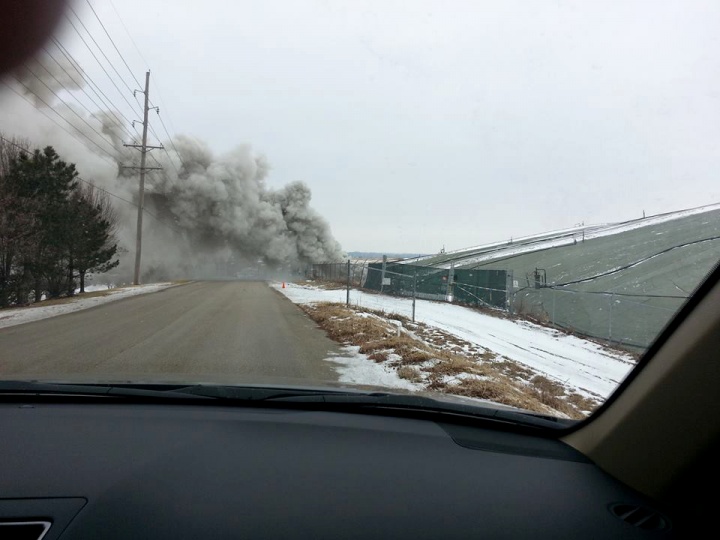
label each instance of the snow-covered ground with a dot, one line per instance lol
(96, 287)
(565, 237)
(577, 363)
(354, 368)
(15, 316)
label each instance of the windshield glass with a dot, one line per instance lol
(500, 204)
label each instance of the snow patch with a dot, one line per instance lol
(15, 316)
(580, 365)
(564, 237)
(357, 369)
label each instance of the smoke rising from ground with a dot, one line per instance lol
(215, 214)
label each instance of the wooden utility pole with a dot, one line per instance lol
(144, 149)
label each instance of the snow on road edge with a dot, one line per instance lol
(580, 364)
(15, 316)
(355, 368)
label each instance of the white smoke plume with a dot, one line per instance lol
(214, 215)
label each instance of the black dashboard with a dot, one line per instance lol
(121, 470)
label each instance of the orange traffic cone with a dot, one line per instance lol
(283, 285)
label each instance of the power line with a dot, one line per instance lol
(70, 108)
(172, 143)
(170, 139)
(111, 115)
(611, 293)
(91, 83)
(76, 99)
(632, 264)
(147, 64)
(114, 162)
(110, 193)
(100, 63)
(122, 79)
(113, 44)
(177, 171)
(80, 86)
(152, 130)
(144, 148)
(165, 150)
(152, 156)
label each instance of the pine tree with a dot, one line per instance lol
(17, 228)
(47, 180)
(73, 228)
(92, 245)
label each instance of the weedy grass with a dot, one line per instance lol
(444, 363)
(64, 299)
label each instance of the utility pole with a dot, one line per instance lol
(347, 300)
(144, 149)
(382, 275)
(414, 293)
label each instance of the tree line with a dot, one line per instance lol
(54, 229)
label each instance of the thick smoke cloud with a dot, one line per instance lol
(215, 215)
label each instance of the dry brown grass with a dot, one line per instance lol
(455, 365)
(481, 389)
(320, 284)
(342, 325)
(64, 299)
(552, 394)
(378, 356)
(547, 387)
(514, 370)
(410, 373)
(326, 310)
(582, 403)
(411, 350)
(449, 357)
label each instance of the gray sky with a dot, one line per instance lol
(419, 124)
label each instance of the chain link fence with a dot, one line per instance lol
(487, 288)
(629, 320)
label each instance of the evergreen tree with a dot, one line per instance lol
(92, 245)
(72, 228)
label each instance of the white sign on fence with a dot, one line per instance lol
(386, 281)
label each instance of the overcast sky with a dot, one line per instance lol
(419, 124)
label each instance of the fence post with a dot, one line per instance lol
(347, 300)
(382, 275)
(612, 301)
(414, 294)
(509, 290)
(553, 292)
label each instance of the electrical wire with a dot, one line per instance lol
(111, 194)
(128, 34)
(122, 79)
(630, 265)
(67, 105)
(80, 86)
(113, 43)
(173, 145)
(167, 132)
(91, 83)
(132, 107)
(114, 162)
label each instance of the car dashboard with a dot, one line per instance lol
(139, 470)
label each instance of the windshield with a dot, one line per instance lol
(493, 204)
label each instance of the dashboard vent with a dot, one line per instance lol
(23, 530)
(641, 517)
